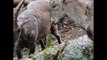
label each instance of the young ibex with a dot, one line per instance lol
(78, 10)
(34, 24)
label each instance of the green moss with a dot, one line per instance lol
(48, 41)
(88, 52)
(52, 37)
(34, 58)
(31, 55)
(46, 55)
(59, 58)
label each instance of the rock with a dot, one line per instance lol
(77, 49)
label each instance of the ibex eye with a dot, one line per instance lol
(54, 6)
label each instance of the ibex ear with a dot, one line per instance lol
(63, 1)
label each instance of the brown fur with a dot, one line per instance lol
(32, 18)
(34, 24)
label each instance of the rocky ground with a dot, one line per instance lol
(69, 30)
(80, 48)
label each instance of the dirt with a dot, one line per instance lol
(69, 30)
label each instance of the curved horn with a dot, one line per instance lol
(16, 11)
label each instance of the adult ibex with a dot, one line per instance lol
(34, 24)
(79, 10)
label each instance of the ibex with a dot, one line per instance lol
(34, 24)
(78, 10)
